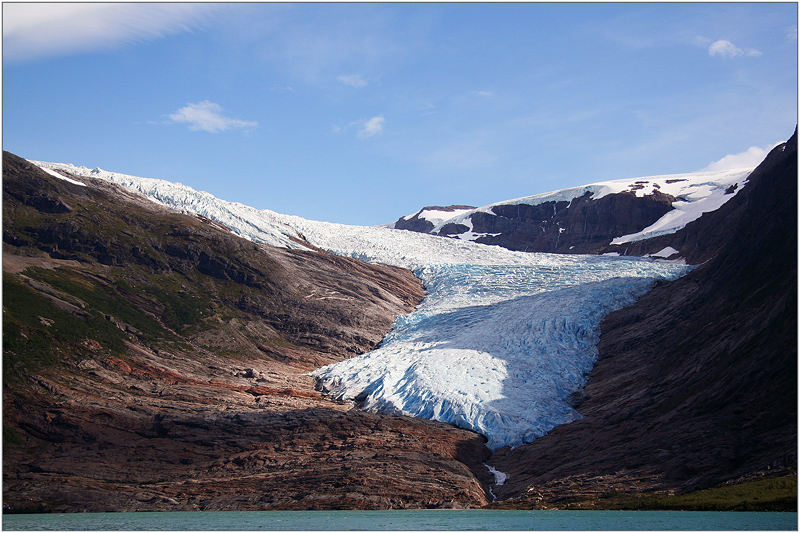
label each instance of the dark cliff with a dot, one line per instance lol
(583, 225)
(696, 384)
(155, 361)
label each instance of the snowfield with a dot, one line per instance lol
(498, 345)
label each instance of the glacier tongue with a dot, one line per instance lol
(498, 345)
(500, 342)
(503, 366)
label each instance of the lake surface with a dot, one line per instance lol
(405, 520)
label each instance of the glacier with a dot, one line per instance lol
(501, 341)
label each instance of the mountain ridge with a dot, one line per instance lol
(155, 361)
(607, 217)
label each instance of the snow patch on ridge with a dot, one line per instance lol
(704, 193)
(257, 225)
(666, 252)
(62, 177)
(435, 216)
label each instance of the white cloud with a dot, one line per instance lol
(207, 116)
(366, 127)
(791, 34)
(725, 48)
(36, 30)
(372, 126)
(750, 158)
(487, 94)
(353, 80)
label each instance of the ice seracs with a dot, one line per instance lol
(498, 345)
(497, 349)
(247, 222)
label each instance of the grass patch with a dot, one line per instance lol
(11, 436)
(180, 307)
(778, 494)
(37, 333)
(103, 300)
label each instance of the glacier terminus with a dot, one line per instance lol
(499, 345)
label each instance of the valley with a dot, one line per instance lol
(162, 355)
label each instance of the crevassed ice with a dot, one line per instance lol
(498, 345)
(493, 348)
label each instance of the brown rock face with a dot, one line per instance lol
(154, 361)
(696, 384)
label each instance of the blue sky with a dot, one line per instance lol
(362, 113)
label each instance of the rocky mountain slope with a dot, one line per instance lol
(619, 216)
(155, 361)
(696, 384)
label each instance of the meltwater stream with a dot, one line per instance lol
(498, 345)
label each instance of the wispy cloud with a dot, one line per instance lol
(750, 158)
(36, 30)
(353, 80)
(366, 127)
(372, 127)
(208, 116)
(427, 109)
(726, 49)
(485, 94)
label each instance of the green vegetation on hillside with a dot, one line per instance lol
(37, 333)
(778, 494)
(769, 495)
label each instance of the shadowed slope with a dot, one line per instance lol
(696, 384)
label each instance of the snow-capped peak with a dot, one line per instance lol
(697, 193)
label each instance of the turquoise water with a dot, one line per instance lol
(405, 520)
